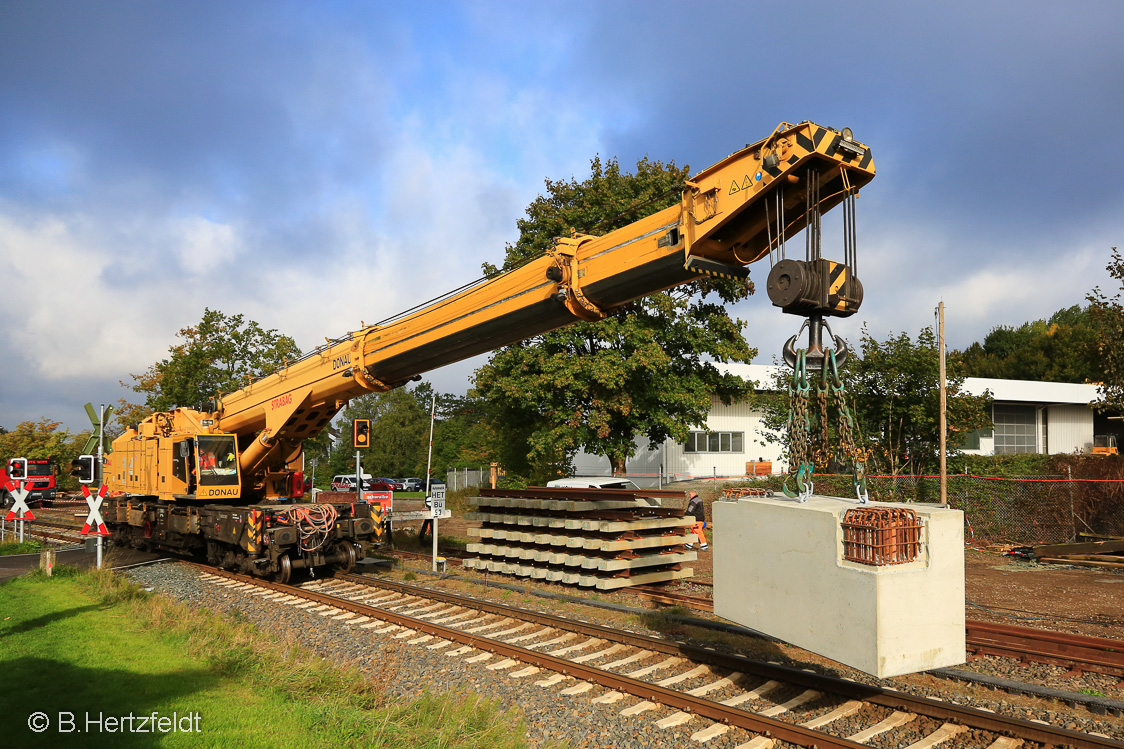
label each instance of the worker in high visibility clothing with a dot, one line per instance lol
(695, 509)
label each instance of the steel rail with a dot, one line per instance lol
(936, 709)
(1077, 652)
(644, 690)
(1096, 654)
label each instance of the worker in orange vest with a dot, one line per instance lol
(695, 509)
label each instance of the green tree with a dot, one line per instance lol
(44, 440)
(399, 433)
(645, 370)
(1107, 314)
(218, 355)
(895, 386)
(1060, 349)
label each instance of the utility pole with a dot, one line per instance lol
(944, 407)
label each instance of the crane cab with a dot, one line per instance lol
(173, 464)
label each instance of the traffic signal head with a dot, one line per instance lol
(17, 468)
(82, 468)
(362, 432)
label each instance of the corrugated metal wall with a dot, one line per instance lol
(1069, 429)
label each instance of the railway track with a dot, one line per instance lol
(768, 701)
(1078, 653)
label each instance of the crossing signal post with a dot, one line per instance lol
(17, 468)
(362, 432)
(82, 468)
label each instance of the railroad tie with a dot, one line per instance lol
(419, 640)
(439, 645)
(638, 708)
(760, 742)
(896, 719)
(1005, 742)
(713, 731)
(630, 659)
(945, 732)
(755, 694)
(478, 658)
(531, 636)
(712, 686)
(405, 633)
(580, 688)
(849, 707)
(599, 654)
(608, 698)
(506, 663)
(555, 641)
(460, 651)
(580, 646)
(528, 671)
(800, 699)
(666, 663)
(552, 680)
(673, 720)
(693, 673)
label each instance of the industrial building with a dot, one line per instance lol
(1029, 417)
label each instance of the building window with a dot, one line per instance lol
(1016, 429)
(714, 442)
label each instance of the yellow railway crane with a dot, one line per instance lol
(170, 471)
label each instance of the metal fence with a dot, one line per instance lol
(1028, 510)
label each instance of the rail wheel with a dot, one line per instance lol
(349, 563)
(282, 576)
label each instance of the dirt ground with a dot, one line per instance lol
(998, 588)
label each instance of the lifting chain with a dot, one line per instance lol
(800, 430)
(809, 441)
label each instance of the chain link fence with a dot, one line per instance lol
(1025, 511)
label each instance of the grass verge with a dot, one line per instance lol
(15, 547)
(89, 649)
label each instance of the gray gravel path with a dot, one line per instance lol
(550, 717)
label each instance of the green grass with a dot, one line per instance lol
(15, 547)
(89, 644)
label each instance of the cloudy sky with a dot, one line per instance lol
(312, 165)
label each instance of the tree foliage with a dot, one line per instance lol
(891, 390)
(218, 355)
(1060, 349)
(44, 440)
(895, 385)
(645, 370)
(1107, 315)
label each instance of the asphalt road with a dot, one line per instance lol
(17, 564)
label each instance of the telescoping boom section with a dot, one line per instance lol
(729, 215)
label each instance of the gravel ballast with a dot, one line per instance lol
(410, 670)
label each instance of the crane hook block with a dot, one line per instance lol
(815, 287)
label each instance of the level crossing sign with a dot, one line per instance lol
(19, 508)
(93, 519)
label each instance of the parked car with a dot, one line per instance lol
(346, 483)
(412, 485)
(395, 484)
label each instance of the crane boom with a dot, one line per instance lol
(729, 215)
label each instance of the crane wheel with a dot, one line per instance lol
(349, 563)
(282, 575)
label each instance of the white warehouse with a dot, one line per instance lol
(1029, 417)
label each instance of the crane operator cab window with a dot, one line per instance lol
(217, 460)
